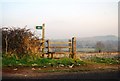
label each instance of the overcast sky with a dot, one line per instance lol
(62, 18)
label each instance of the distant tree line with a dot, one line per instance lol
(99, 46)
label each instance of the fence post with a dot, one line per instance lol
(43, 39)
(48, 46)
(70, 48)
(74, 47)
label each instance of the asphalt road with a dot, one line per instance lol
(82, 76)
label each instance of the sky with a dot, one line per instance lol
(63, 18)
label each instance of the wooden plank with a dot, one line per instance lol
(60, 42)
(59, 53)
(59, 47)
(42, 41)
(62, 52)
(42, 47)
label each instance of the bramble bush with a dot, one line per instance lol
(19, 41)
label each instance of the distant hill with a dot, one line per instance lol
(99, 38)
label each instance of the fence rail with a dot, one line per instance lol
(60, 42)
(59, 47)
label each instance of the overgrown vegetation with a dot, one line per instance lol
(19, 41)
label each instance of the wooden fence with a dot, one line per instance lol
(70, 45)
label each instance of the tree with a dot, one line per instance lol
(99, 46)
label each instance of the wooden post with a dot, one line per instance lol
(74, 47)
(70, 48)
(51, 55)
(43, 39)
(6, 42)
(43, 31)
(48, 46)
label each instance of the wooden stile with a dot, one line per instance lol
(71, 45)
(71, 48)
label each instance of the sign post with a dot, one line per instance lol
(43, 37)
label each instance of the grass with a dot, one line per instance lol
(55, 64)
(105, 60)
(46, 62)
(36, 61)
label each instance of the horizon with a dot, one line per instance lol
(82, 37)
(63, 19)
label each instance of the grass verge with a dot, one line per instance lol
(42, 62)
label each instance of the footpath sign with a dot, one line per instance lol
(40, 30)
(39, 27)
